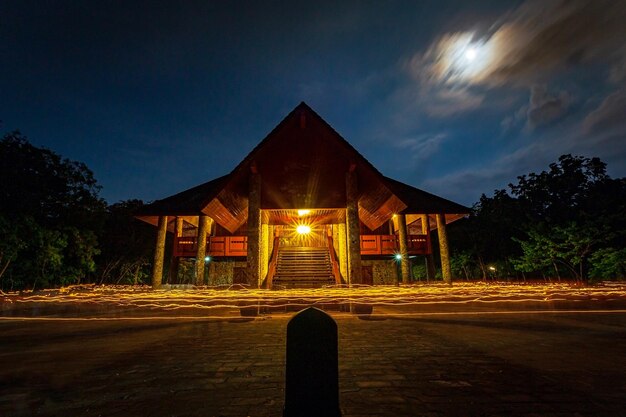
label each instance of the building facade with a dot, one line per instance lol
(303, 209)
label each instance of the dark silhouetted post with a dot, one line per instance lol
(312, 381)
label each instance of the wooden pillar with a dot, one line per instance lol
(265, 249)
(178, 232)
(254, 229)
(203, 226)
(430, 259)
(443, 248)
(353, 228)
(404, 249)
(343, 250)
(159, 253)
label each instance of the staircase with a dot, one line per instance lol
(303, 267)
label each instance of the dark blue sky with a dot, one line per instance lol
(454, 97)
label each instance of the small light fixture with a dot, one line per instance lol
(303, 212)
(303, 229)
(207, 259)
(398, 256)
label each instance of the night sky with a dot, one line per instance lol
(454, 97)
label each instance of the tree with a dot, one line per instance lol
(570, 211)
(51, 215)
(569, 246)
(486, 236)
(608, 263)
(126, 245)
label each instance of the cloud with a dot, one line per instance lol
(609, 116)
(422, 146)
(467, 185)
(544, 107)
(520, 116)
(546, 35)
(525, 44)
(617, 73)
(601, 133)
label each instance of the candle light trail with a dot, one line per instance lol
(222, 301)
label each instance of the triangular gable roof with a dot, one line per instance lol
(302, 162)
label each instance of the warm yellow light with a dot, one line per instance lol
(303, 229)
(303, 212)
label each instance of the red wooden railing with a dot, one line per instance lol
(238, 245)
(388, 244)
(216, 246)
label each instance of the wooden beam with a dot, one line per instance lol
(404, 250)
(159, 253)
(430, 259)
(175, 261)
(254, 230)
(204, 225)
(355, 275)
(443, 249)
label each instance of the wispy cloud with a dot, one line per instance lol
(601, 133)
(544, 107)
(422, 146)
(610, 115)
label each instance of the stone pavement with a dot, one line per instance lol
(521, 364)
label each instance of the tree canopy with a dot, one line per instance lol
(552, 224)
(52, 221)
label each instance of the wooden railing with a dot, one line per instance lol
(333, 260)
(271, 269)
(238, 245)
(215, 246)
(388, 244)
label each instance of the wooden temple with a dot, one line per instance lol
(303, 209)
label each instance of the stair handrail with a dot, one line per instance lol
(271, 269)
(333, 261)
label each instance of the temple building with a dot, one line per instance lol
(303, 209)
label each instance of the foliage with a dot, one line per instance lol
(548, 224)
(50, 213)
(608, 263)
(570, 212)
(126, 245)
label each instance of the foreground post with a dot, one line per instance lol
(312, 377)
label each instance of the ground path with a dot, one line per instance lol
(484, 363)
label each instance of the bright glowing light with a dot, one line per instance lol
(398, 256)
(470, 54)
(207, 259)
(303, 212)
(303, 229)
(463, 58)
(492, 268)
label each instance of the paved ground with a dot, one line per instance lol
(549, 364)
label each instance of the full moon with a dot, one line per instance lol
(470, 54)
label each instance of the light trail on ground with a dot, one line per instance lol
(217, 302)
(389, 316)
